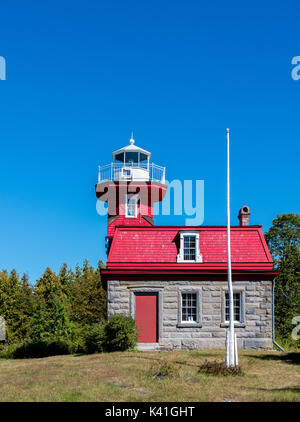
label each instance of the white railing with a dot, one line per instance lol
(118, 171)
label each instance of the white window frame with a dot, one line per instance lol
(135, 199)
(127, 176)
(198, 256)
(242, 322)
(240, 308)
(197, 307)
(189, 324)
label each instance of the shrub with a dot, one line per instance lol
(93, 338)
(77, 338)
(59, 347)
(219, 368)
(162, 369)
(7, 352)
(120, 333)
(289, 345)
(38, 349)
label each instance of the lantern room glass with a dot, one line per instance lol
(131, 158)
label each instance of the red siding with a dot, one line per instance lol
(122, 220)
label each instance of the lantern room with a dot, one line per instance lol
(131, 163)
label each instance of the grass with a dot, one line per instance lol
(128, 376)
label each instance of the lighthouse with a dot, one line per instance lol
(130, 185)
(173, 279)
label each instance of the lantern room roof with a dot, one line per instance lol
(131, 148)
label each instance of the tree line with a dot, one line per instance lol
(283, 239)
(57, 307)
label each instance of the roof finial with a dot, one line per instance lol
(131, 139)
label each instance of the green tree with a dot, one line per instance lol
(283, 239)
(15, 305)
(24, 304)
(47, 285)
(50, 320)
(88, 297)
(65, 279)
(51, 315)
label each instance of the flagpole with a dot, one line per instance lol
(230, 344)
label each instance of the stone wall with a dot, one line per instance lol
(254, 331)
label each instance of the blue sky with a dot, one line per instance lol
(82, 75)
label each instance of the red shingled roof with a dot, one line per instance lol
(157, 248)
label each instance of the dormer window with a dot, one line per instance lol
(131, 206)
(189, 247)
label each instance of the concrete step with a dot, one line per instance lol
(147, 347)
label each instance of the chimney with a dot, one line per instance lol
(244, 216)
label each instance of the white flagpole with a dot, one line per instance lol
(231, 340)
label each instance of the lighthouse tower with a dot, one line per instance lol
(130, 185)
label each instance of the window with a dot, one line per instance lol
(126, 173)
(131, 206)
(189, 307)
(189, 247)
(131, 157)
(236, 307)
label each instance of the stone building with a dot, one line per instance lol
(173, 279)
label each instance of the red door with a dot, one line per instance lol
(146, 317)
